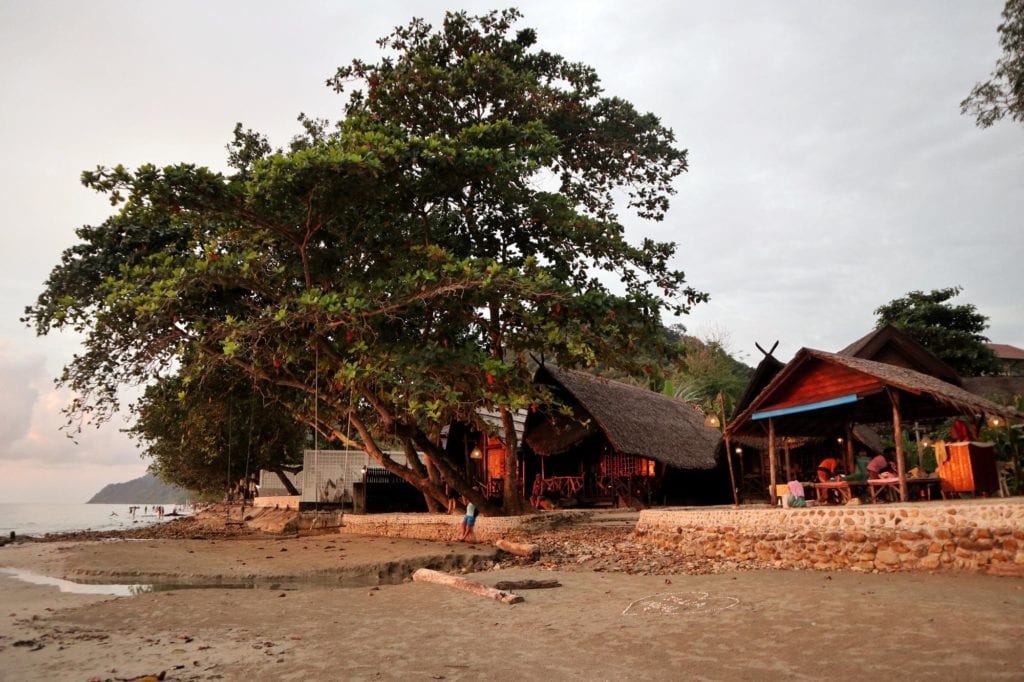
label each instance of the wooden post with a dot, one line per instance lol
(849, 447)
(732, 475)
(728, 449)
(785, 456)
(897, 434)
(771, 460)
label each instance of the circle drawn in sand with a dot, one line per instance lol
(672, 603)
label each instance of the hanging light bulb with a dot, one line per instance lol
(476, 453)
(712, 421)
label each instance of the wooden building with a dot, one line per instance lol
(891, 346)
(820, 395)
(613, 443)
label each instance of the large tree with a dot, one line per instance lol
(205, 430)
(1003, 94)
(397, 270)
(954, 333)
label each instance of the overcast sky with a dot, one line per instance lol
(830, 168)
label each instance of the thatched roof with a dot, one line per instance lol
(814, 376)
(894, 347)
(635, 421)
(763, 374)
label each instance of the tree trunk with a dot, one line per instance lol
(513, 499)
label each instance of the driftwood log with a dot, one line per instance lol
(526, 584)
(426, 575)
(528, 550)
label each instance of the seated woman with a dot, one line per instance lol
(882, 464)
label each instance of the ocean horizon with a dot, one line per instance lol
(40, 518)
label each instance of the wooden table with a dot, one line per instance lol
(822, 488)
(889, 487)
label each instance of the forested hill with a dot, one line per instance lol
(146, 489)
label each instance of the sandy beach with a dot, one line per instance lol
(340, 607)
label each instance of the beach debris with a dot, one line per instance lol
(523, 549)
(31, 643)
(680, 602)
(430, 576)
(526, 584)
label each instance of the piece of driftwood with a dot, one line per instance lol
(526, 584)
(426, 575)
(529, 550)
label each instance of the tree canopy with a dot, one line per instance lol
(1003, 94)
(399, 269)
(952, 332)
(206, 431)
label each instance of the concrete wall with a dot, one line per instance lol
(446, 526)
(975, 535)
(271, 486)
(328, 475)
(279, 501)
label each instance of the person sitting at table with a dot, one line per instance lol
(881, 464)
(860, 467)
(827, 469)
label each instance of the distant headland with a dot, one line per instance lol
(146, 489)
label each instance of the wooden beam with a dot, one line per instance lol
(771, 460)
(426, 575)
(897, 434)
(528, 550)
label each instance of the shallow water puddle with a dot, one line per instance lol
(128, 590)
(76, 588)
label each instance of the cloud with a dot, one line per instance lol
(31, 419)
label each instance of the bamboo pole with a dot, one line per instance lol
(773, 475)
(897, 434)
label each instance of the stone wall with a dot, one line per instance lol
(985, 535)
(447, 526)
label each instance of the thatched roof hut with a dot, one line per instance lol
(818, 391)
(634, 420)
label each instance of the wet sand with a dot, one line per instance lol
(747, 625)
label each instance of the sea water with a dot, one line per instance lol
(39, 519)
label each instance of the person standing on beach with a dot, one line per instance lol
(468, 521)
